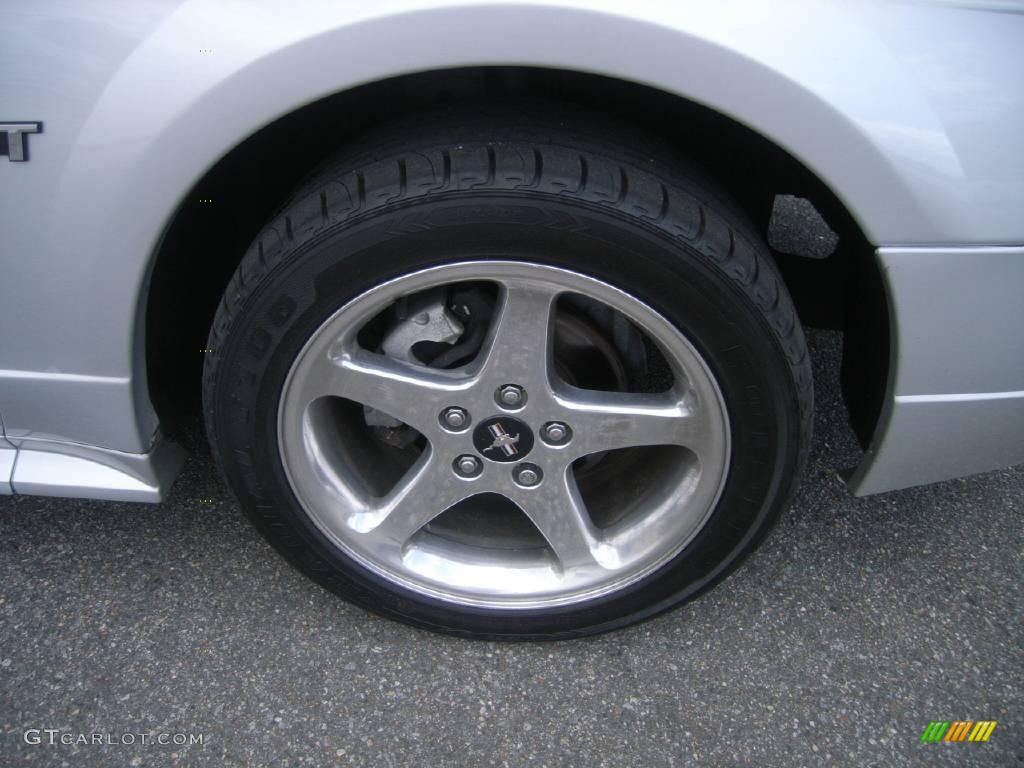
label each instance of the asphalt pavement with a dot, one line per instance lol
(855, 625)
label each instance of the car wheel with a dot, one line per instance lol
(520, 385)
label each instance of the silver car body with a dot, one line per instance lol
(911, 113)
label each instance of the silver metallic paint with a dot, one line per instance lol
(7, 456)
(910, 112)
(61, 469)
(955, 402)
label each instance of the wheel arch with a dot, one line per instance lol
(246, 186)
(201, 241)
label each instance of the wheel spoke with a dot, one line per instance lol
(427, 489)
(519, 344)
(405, 391)
(558, 511)
(604, 421)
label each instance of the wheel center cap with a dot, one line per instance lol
(502, 438)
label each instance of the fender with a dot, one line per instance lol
(165, 89)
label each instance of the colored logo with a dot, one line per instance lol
(958, 730)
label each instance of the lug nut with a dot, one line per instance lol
(527, 475)
(556, 433)
(511, 395)
(454, 418)
(467, 466)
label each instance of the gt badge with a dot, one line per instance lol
(14, 139)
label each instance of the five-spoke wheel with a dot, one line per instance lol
(521, 385)
(532, 434)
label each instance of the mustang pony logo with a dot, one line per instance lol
(503, 441)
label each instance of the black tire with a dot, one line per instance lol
(507, 187)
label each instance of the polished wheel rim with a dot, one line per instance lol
(501, 478)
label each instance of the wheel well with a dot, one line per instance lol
(837, 287)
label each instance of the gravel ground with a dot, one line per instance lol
(858, 622)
